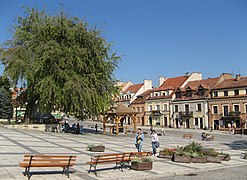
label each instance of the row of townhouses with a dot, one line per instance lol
(188, 101)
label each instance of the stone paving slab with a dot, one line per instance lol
(17, 142)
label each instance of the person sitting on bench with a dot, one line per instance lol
(203, 136)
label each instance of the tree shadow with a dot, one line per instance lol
(237, 145)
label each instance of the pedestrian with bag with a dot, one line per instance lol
(139, 139)
(155, 142)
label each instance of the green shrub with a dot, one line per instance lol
(168, 151)
(90, 147)
(142, 159)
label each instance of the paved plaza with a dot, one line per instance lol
(14, 143)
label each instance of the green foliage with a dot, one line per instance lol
(195, 150)
(6, 108)
(168, 151)
(142, 159)
(209, 152)
(90, 147)
(193, 147)
(67, 65)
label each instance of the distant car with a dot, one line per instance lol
(42, 118)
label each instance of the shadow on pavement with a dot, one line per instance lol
(237, 145)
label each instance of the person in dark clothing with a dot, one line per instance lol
(96, 128)
(77, 128)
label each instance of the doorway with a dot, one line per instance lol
(165, 121)
(143, 122)
(216, 124)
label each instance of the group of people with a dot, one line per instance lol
(206, 136)
(75, 128)
(139, 138)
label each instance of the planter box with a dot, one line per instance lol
(98, 149)
(181, 159)
(214, 159)
(198, 159)
(166, 156)
(141, 166)
(225, 157)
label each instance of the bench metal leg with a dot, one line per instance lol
(94, 166)
(66, 171)
(27, 172)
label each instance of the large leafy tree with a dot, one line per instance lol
(67, 65)
(6, 109)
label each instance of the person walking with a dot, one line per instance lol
(229, 128)
(155, 142)
(77, 128)
(139, 139)
(96, 128)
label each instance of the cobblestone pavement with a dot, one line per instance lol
(14, 143)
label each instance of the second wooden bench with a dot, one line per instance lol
(120, 159)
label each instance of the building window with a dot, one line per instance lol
(176, 108)
(134, 108)
(142, 109)
(165, 107)
(236, 108)
(246, 108)
(138, 119)
(156, 94)
(225, 110)
(215, 109)
(215, 94)
(225, 93)
(200, 92)
(178, 94)
(187, 108)
(245, 91)
(150, 107)
(236, 92)
(199, 107)
(188, 93)
(157, 107)
(138, 109)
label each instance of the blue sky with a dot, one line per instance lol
(158, 37)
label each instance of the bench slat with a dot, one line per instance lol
(47, 156)
(45, 164)
(51, 160)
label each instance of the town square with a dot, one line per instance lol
(127, 89)
(17, 142)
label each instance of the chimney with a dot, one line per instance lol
(162, 80)
(187, 74)
(223, 77)
(238, 77)
(147, 84)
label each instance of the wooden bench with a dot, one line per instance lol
(121, 159)
(187, 136)
(40, 160)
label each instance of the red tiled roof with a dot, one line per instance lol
(205, 83)
(232, 83)
(134, 88)
(172, 83)
(142, 97)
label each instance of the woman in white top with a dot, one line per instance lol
(155, 141)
